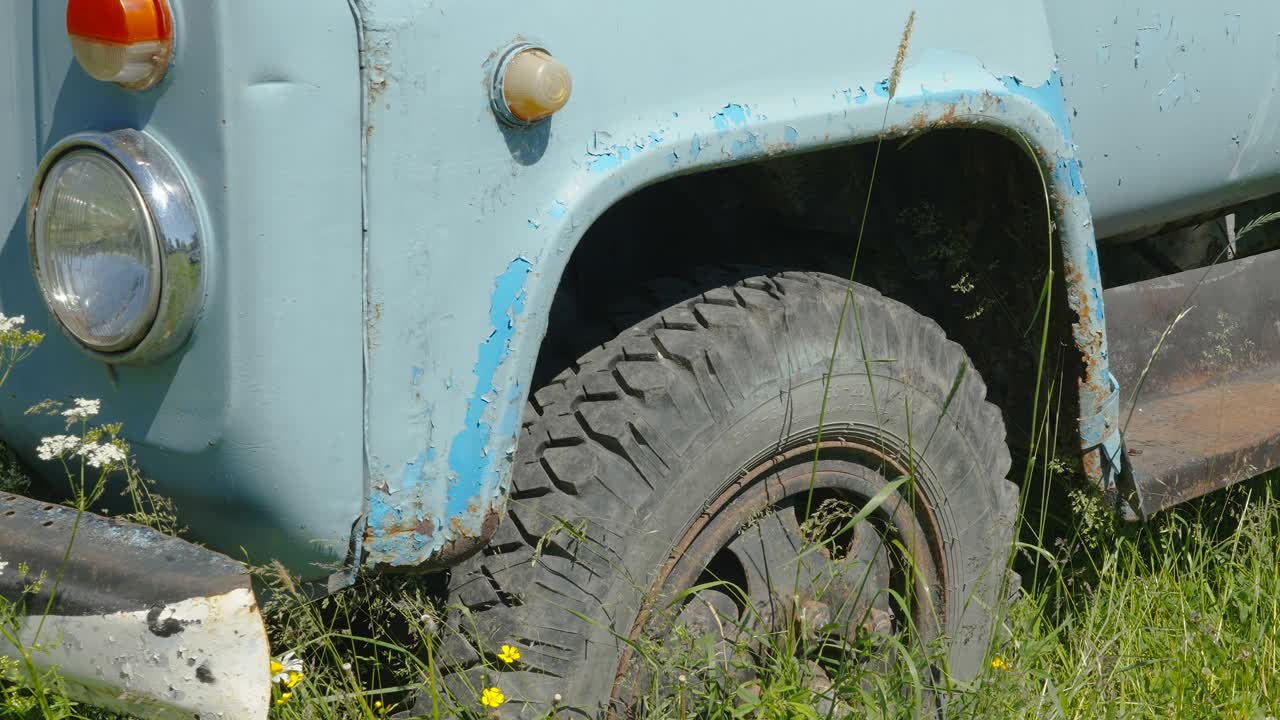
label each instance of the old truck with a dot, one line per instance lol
(401, 286)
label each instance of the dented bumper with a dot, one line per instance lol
(140, 621)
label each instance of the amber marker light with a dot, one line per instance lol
(530, 85)
(128, 42)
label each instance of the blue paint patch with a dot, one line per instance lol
(655, 138)
(882, 88)
(673, 158)
(532, 225)
(558, 209)
(609, 160)
(469, 460)
(1092, 267)
(382, 514)
(1048, 97)
(861, 97)
(848, 95)
(411, 475)
(790, 135)
(732, 115)
(605, 163)
(695, 148)
(415, 374)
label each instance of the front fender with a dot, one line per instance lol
(470, 225)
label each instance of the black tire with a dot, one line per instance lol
(632, 443)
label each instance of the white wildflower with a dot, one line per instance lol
(11, 323)
(101, 454)
(83, 410)
(56, 446)
(3, 564)
(284, 667)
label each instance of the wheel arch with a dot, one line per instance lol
(437, 524)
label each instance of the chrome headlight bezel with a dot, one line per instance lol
(177, 231)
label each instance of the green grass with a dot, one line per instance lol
(1179, 618)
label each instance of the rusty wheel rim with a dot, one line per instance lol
(777, 548)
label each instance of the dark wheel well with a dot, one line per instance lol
(956, 229)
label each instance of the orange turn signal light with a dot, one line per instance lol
(529, 85)
(128, 42)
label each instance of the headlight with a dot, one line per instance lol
(115, 245)
(96, 254)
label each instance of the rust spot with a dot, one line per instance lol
(425, 527)
(464, 546)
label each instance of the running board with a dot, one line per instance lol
(1208, 411)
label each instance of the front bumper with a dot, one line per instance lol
(140, 622)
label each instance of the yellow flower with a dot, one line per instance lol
(284, 698)
(285, 667)
(509, 654)
(998, 663)
(492, 697)
(295, 677)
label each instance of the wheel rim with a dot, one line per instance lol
(779, 548)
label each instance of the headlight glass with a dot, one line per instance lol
(96, 251)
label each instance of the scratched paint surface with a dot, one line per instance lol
(463, 288)
(1140, 77)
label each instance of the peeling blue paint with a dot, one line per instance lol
(468, 459)
(674, 158)
(790, 135)
(558, 209)
(603, 156)
(861, 97)
(1047, 96)
(610, 160)
(732, 115)
(411, 475)
(533, 225)
(695, 147)
(882, 88)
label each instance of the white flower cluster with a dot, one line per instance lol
(101, 455)
(98, 455)
(83, 410)
(56, 446)
(11, 323)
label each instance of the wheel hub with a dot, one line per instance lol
(818, 550)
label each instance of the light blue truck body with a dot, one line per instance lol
(383, 254)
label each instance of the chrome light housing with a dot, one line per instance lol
(116, 245)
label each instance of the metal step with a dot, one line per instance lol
(1208, 411)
